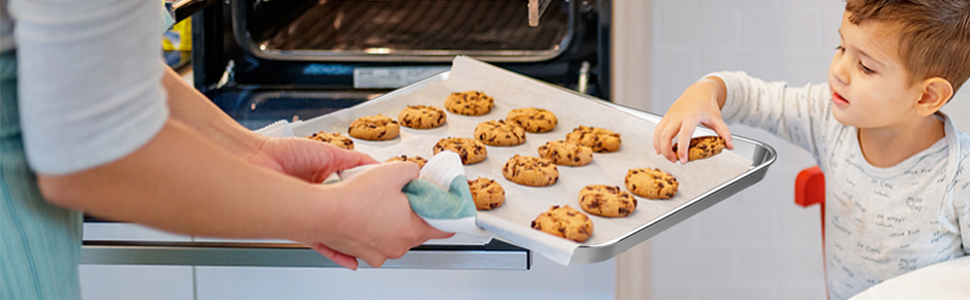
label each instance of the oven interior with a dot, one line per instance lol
(267, 60)
(416, 27)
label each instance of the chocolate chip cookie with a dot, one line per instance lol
(531, 171)
(565, 222)
(335, 139)
(703, 147)
(565, 153)
(471, 151)
(414, 158)
(651, 183)
(486, 193)
(607, 201)
(499, 133)
(374, 128)
(469, 103)
(422, 117)
(535, 120)
(601, 140)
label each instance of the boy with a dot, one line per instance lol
(897, 185)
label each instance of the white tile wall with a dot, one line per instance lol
(757, 244)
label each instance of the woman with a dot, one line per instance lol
(90, 108)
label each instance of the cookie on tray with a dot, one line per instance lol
(422, 117)
(607, 201)
(651, 183)
(601, 140)
(414, 158)
(499, 133)
(374, 128)
(531, 171)
(565, 222)
(486, 193)
(469, 103)
(703, 147)
(535, 120)
(470, 151)
(565, 153)
(335, 139)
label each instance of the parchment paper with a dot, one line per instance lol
(510, 90)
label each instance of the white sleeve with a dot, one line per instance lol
(800, 116)
(961, 193)
(89, 80)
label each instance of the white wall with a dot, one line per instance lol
(757, 244)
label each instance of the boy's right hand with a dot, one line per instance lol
(701, 103)
(371, 219)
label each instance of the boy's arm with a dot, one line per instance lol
(798, 115)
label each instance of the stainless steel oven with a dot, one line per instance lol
(315, 56)
(266, 60)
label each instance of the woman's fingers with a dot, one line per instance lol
(341, 259)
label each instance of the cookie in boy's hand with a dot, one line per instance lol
(469, 103)
(334, 139)
(703, 147)
(470, 151)
(374, 128)
(601, 140)
(499, 133)
(414, 158)
(422, 117)
(535, 120)
(531, 171)
(486, 193)
(651, 183)
(607, 201)
(565, 222)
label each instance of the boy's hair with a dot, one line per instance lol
(934, 34)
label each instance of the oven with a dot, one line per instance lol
(267, 60)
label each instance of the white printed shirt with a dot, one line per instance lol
(879, 222)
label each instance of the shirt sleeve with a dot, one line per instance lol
(89, 80)
(798, 115)
(961, 193)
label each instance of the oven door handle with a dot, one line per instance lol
(182, 9)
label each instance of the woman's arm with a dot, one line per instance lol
(182, 182)
(189, 106)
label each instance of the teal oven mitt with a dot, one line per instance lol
(441, 196)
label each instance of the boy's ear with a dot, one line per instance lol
(936, 92)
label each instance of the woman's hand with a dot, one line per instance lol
(306, 159)
(701, 103)
(371, 219)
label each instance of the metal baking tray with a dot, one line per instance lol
(761, 155)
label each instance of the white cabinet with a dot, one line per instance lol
(111, 282)
(546, 280)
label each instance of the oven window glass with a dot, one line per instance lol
(412, 28)
(257, 108)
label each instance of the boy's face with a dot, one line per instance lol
(870, 86)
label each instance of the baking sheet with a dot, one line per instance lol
(510, 90)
